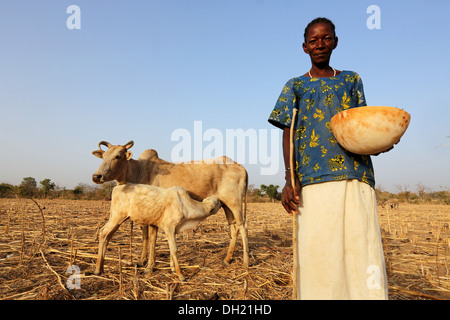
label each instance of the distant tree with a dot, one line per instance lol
(442, 196)
(6, 190)
(422, 191)
(404, 193)
(79, 189)
(47, 185)
(28, 187)
(253, 190)
(89, 192)
(271, 191)
(106, 190)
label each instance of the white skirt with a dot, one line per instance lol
(339, 243)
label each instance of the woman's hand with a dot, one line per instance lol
(387, 150)
(290, 197)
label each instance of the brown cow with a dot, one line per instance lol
(220, 177)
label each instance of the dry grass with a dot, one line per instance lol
(417, 250)
(34, 258)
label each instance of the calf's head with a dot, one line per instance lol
(115, 162)
(212, 204)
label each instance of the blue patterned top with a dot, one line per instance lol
(319, 157)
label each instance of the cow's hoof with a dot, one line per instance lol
(148, 270)
(227, 262)
(139, 264)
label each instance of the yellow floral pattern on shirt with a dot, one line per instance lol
(319, 157)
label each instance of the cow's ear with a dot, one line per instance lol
(129, 155)
(98, 153)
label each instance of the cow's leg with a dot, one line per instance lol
(236, 223)
(233, 234)
(106, 234)
(152, 234)
(143, 259)
(244, 237)
(170, 233)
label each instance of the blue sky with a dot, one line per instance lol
(139, 70)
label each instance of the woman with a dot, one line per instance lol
(339, 243)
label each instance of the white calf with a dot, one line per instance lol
(171, 209)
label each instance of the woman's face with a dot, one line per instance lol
(320, 43)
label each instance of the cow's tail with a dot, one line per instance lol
(244, 211)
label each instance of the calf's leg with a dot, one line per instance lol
(106, 234)
(170, 233)
(152, 234)
(143, 259)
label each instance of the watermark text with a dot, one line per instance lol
(74, 20)
(250, 146)
(374, 20)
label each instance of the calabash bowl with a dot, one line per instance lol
(369, 130)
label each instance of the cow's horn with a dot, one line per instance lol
(129, 144)
(107, 144)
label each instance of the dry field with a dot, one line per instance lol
(35, 257)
